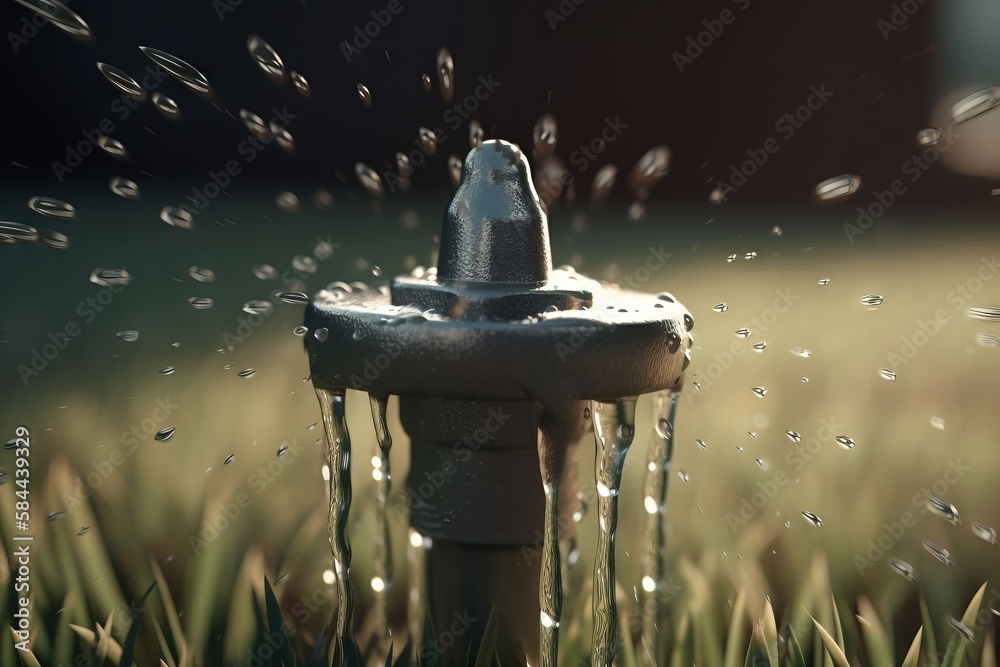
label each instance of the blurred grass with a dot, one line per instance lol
(761, 586)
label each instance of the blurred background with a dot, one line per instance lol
(886, 400)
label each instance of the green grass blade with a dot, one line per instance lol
(912, 658)
(832, 648)
(989, 652)
(955, 653)
(388, 658)
(133, 632)
(276, 624)
(930, 643)
(320, 656)
(737, 631)
(877, 640)
(488, 647)
(769, 631)
(797, 657)
(404, 655)
(27, 657)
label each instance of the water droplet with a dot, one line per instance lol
(636, 210)
(793, 436)
(109, 277)
(837, 189)
(122, 81)
(759, 391)
(887, 374)
(760, 347)
(258, 307)
(60, 15)
(701, 443)
(445, 68)
(651, 168)
(229, 459)
(717, 195)
(985, 313)
(801, 352)
(169, 370)
(805, 380)
(267, 58)
(177, 217)
(812, 518)
(427, 140)
(759, 462)
(304, 264)
(872, 300)
(902, 568)
(113, 147)
(265, 272)
(938, 423)
(475, 134)
(369, 178)
(776, 231)
(545, 136)
(301, 331)
(988, 340)
(301, 84)
(178, 69)
(129, 336)
(938, 552)
(721, 307)
(14, 232)
(55, 516)
(364, 94)
(165, 105)
(944, 510)
(688, 322)
(683, 475)
(52, 208)
(283, 450)
(742, 333)
(321, 334)
(164, 434)
(201, 302)
(845, 442)
(83, 531)
(731, 258)
(823, 281)
(975, 104)
(984, 532)
(283, 137)
(673, 341)
(425, 79)
(287, 201)
(294, 298)
(929, 136)
(202, 275)
(962, 630)
(586, 413)
(256, 125)
(750, 255)
(123, 187)
(246, 373)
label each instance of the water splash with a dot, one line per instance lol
(661, 449)
(614, 429)
(338, 442)
(383, 546)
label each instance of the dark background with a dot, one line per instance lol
(606, 59)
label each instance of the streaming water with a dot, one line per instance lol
(338, 442)
(382, 579)
(614, 429)
(661, 449)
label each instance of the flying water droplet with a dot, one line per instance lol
(938, 552)
(701, 443)
(267, 58)
(294, 298)
(122, 81)
(651, 168)
(256, 125)
(975, 104)
(177, 217)
(364, 94)
(282, 450)
(823, 281)
(902, 568)
(985, 313)
(963, 630)
(872, 300)
(837, 189)
(742, 333)
(793, 436)
(60, 15)
(731, 258)
(760, 347)
(604, 183)
(943, 509)
(445, 68)
(287, 201)
(988, 340)
(938, 423)
(750, 255)
(123, 187)
(265, 272)
(845, 442)
(812, 518)
(301, 84)
(427, 140)
(258, 307)
(282, 137)
(169, 370)
(369, 178)
(984, 532)
(759, 391)
(929, 136)
(178, 69)
(129, 336)
(109, 277)
(887, 374)
(425, 79)
(201, 302)
(801, 352)
(166, 105)
(475, 134)
(52, 208)
(202, 275)
(15, 232)
(321, 334)
(246, 373)
(229, 459)
(164, 434)
(545, 136)
(721, 307)
(455, 170)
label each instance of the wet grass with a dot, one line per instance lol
(742, 590)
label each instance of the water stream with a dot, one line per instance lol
(382, 579)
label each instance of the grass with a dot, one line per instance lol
(759, 594)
